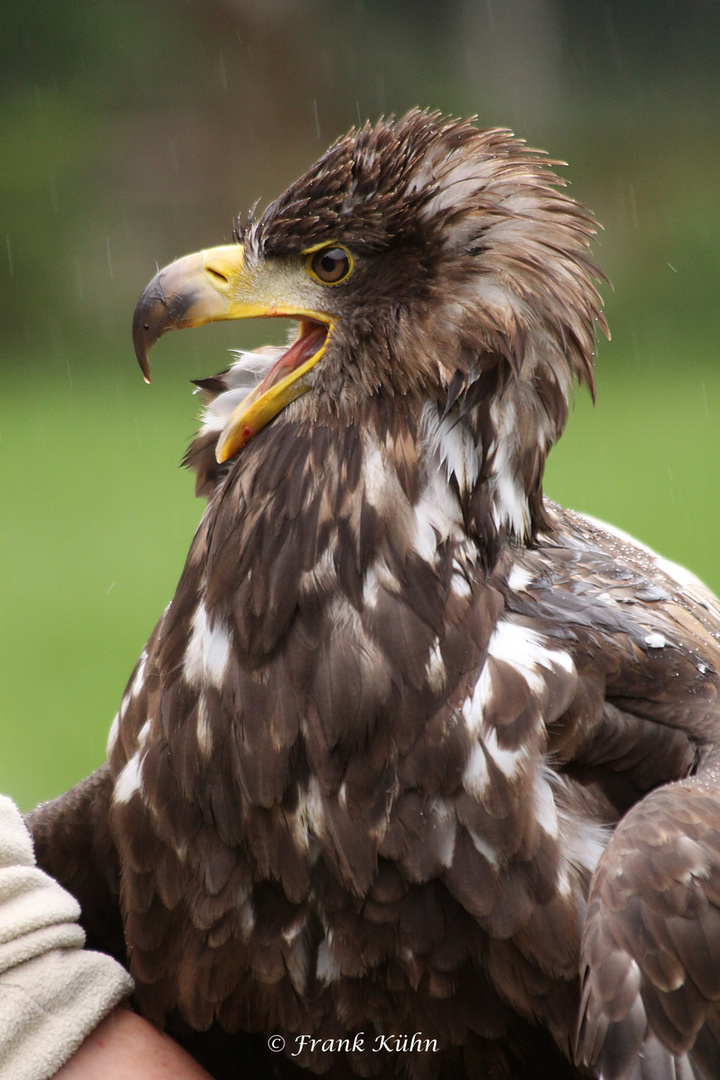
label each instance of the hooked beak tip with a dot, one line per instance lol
(144, 366)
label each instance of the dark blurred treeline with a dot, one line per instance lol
(132, 131)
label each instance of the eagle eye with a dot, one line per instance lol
(331, 265)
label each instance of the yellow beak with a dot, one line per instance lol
(215, 285)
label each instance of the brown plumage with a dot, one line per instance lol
(412, 749)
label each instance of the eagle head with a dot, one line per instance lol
(430, 265)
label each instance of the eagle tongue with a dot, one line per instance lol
(283, 383)
(308, 341)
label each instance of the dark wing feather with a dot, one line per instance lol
(651, 942)
(73, 843)
(651, 946)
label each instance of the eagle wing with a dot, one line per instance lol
(651, 939)
(73, 842)
(651, 978)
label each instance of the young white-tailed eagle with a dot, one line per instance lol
(412, 750)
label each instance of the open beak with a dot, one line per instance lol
(215, 285)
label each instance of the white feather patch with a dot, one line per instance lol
(476, 776)
(509, 762)
(112, 735)
(519, 578)
(452, 445)
(322, 577)
(486, 849)
(139, 677)
(371, 588)
(545, 810)
(375, 473)
(435, 668)
(438, 518)
(583, 842)
(379, 576)
(473, 708)
(509, 500)
(564, 885)
(326, 968)
(525, 650)
(129, 781)
(207, 652)
(460, 585)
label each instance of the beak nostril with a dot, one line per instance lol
(216, 277)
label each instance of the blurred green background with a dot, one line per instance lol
(132, 131)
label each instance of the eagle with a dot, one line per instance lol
(417, 774)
